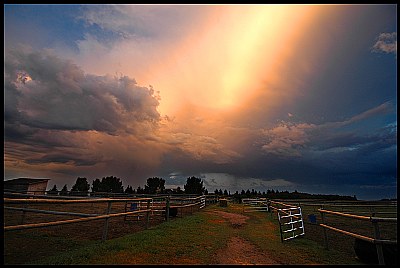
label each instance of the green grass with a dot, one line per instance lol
(27, 241)
(190, 240)
(296, 251)
(195, 239)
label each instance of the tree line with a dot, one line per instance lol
(194, 185)
(112, 184)
(276, 194)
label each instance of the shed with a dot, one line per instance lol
(26, 186)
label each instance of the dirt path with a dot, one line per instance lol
(239, 250)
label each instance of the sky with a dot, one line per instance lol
(284, 97)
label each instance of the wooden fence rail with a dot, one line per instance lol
(373, 208)
(52, 212)
(54, 223)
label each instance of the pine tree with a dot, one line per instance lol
(53, 190)
(64, 190)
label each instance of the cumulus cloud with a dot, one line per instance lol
(287, 139)
(386, 42)
(59, 95)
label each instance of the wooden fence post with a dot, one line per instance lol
(181, 208)
(379, 248)
(126, 205)
(148, 214)
(105, 229)
(167, 207)
(23, 214)
(325, 234)
(280, 225)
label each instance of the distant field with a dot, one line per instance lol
(81, 243)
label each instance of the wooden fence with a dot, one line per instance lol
(145, 207)
(372, 209)
(374, 220)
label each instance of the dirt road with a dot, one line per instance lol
(239, 250)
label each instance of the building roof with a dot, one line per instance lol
(24, 181)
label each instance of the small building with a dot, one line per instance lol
(26, 186)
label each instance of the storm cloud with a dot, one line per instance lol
(60, 96)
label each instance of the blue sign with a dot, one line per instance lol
(312, 218)
(133, 206)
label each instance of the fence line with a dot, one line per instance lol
(86, 200)
(375, 220)
(276, 206)
(149, 204)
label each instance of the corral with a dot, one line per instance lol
(17, 247)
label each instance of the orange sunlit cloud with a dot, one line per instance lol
(237, 55)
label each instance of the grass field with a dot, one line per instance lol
(191, 239)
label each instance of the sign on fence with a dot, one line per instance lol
(290, 223)
(134, 206)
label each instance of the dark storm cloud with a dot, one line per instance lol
(59, 95)
(304, 154)
(342, 140)
(75, 159)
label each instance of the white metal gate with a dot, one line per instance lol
(202, 201)
(290, 223)
(254, 204)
